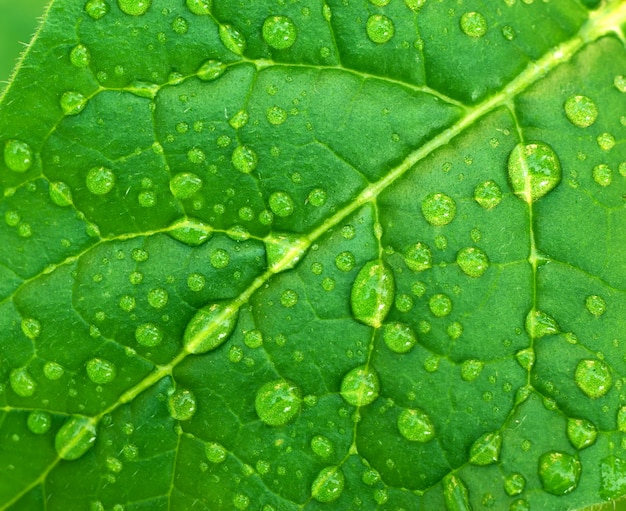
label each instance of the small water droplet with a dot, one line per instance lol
(253, 339)
(581, 433)
(283, 251)
(185, 185)
(196, 156)
(438, 209)
(279, 32)
(455, 494)
(360, 386)
(211, 70)
(473, 24)
(380, 29)
(60, 193)
(508, 32)
(322, 446)
(215, 452)
(22, 383)
(75, 438)
(96, 9)
(148, 334)
(278, 402)
(276, 115)
(539, 324)
(373, 293)
(39, 422)
(606, 141)
(72, 102)
(317, 197)
(328, 485)
(182, 404)
(80, 56)
(100, 180)
(472, 261)
(345, 261)
(157, 298)
(199, 7)
(53, 371)
(526, 358)
(581, 111)
(514, 484)
(31, 328)
(245, 160)
(488, 194)
(612, 477)
(232, 39)
(620, 83)
(534, 170)
(602, 175)
(486, 449)
(399, 337)
(416, 426)
(281, 204)
(180, 25)
(210, 327)
(134, 7)
(440, 305)
(18, 155)
(595, 305)
(101, 371)
(559, 472)
(196, 282)
(190, 231)
(471, 369)
(419, 257)
(593, 377)
(288, 298)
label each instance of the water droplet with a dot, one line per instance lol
(73, 102)
(134, 7)
(360, 386)
(190, 231)
(157, 298)
(60, 193)
(399, 337)
(526, 358)
(278, 402)
(602, 175)
(322, 446)
(348, 232)
(215, 452)
(253, 339)
(486, 449)
(514, 484)
(182, 404)
(18, 155)
(199, 7)
(210, 327)
(345, 261)
(612, 477)
(101, 371)
(39, 422)
(440, 305)
(196, 155)
(232, 39)
(595, 305)
(281, 204)
(539, 324)
(196, 282)
(415, 425)
(80, 56)
(31, 328)
(96, 9)
(380, 29)
(581, 111)
(372, 293)
(239, 120)
(317, 197)
(22, 382)
(279, 32)
(148, 335)
(211, 70)
(620, 83)
(519, 505)
(593, 377)
(114, 465)
(276, 115)
(455, 494)
(472, 261)
(471, 369)
(53, 371)
(534, 170)
(75, 438)
(488, 194)
(581, 433)
(100, 180)
(418, 257)
(473, 24)
(621, 419)
(414, 5)
(185, 185)
(508, 32)
(606, 141)
(245, 160)
(289, 298)
(559, 472)
(328, 485)
(438, 209)
(180, 25)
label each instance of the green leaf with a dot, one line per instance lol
(307, 255)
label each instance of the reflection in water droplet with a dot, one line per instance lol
(39, 422)
(559, 472)
(418, 257)
(100, 180)
(399, 337)
(328, 485)
(581, 433)
(278, 402)
(416, 426)
(185, 185)
(18, 155)
(210, 327)
(22, 383)
(534, 170)
(322, 446)
(373, 293)
(211, 70)
(488, 194)
(438, 209)
(96, 9)
(472, 261)
(232, 39)
(182, 405)
(215, 452)
(486, 449)
(75, 438)
(612, 477)
(514, 484)
(279, 32)
(593, 377)
(581, 111)
(360, 386)
(134, 7)
(101, 371)
(72, 102)
(455, 494)
(199, 7)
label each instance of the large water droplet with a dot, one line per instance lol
(244, 159)
(514, 484)
(101, 371)
(215, 452)
(581, 433)
(278, 402)
(18, 155)
(526, 358)
(148, 334)
(22, 383)
(380, 28)
(75, 438)
(279, 32)
(602, 174)
(472, 261)
(473, 24)
(534, 170)
(283, 251)
(60, 193)
(281, 204)
(210, 327)
(199, 7)
(39, 422)
(372, 293)
(80, 56)
(559, 472)
(211, 70)
(593, 377)
(328, 485)
(232, 39)
(415, 425)
(488, 194)
(134, 7)
(53, 371)
(471, 369)
(31, 328)
(612, 477)
(158, 297)
(486, 449)
(190, 231)
(322, 446)
(440, 305)
(399, 337)
(182, 404)
(360, 386)
(185, 185)
(100, 180)
(455, 494)
(539, 324)
(96, 9)
(73, 102)
(419, 257)
(438, 209)
(581, 111)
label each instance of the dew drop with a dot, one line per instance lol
(471, 369)
(438, 209)
(539, 324)
(80, 56)
(581, 433)
(190, 231)
(22, 382)
(593, 377)
(148, 334)
(595, 305)
(472, 261)
(486, 449)
(73, 102)
(75, 438)
(182, 405)
(215, 452)
(414, 5)
(239, 120)
(196, 282)
(612, 477)
(245, 160)
(328, 485)
(488, 194)
(101, 371)
(419, 257)
(253, 339)
(526, 358)
(534, 170)
(210, 327)
(232, 39)
(620, 83)
(440, 305)
(180, 25)
(60, 193)
(199, 7)
(211, 70)
(219, 258)
(31, 328)
(455, 494)
(39, 422)
(281, 204)
(416, 426)
(581, 111)
(322, 446)
(519, 505)
(360, 386)
(53, 371)
(134, 7)
(380, 29)
(399, 337)
(559, 472)
(602, 175)
(606, 141)
(514, 484)
(317, 197)
(473, 24)
(157, 298)
(278, 402)
(508, 32)
(345, 261)
(96, 9)
(289, 298)
(185, 185)
(621, 419)
(100, 180)
(279, 32)
(18, 155)
(276, 115)
(196, 156)
(373, 293)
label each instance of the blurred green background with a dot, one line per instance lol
(18, 22)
